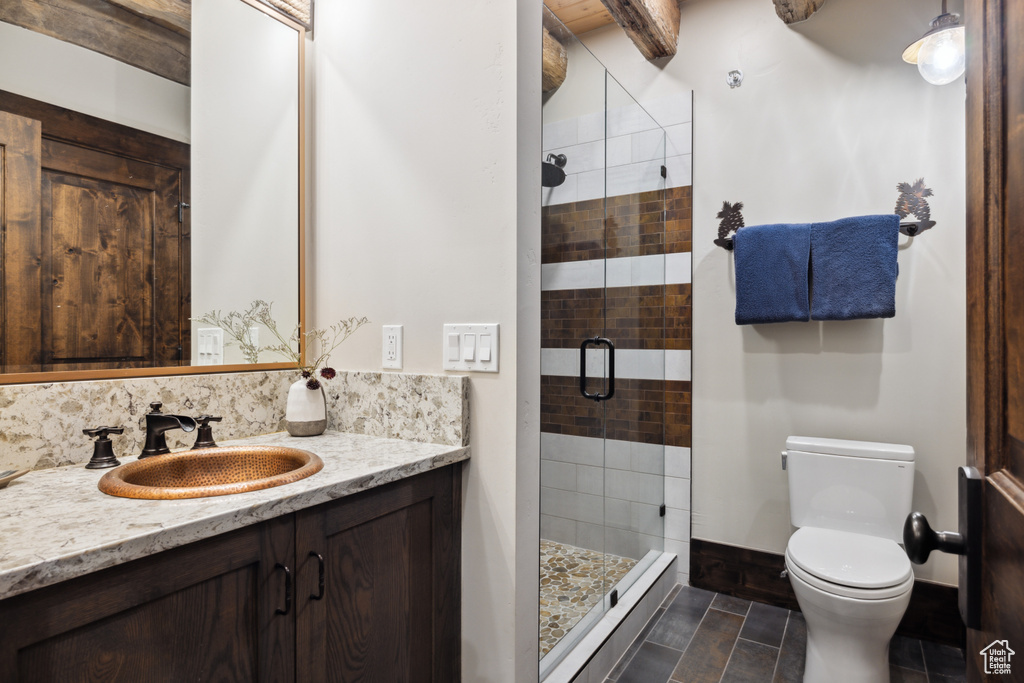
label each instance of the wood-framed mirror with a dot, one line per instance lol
(151, 177)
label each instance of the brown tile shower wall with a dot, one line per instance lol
(651, 317)
(602, 463)
(642, 411)
(578, 231)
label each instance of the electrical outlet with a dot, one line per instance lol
(391, 351)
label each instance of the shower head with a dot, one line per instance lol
(552, 174)
(557, 159)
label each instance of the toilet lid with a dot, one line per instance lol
(849, 559)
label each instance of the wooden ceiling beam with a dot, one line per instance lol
(106, 28)
(175, 15)
(795, 11)
(555, 63)
(652, 25)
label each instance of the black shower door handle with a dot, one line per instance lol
(597, 341)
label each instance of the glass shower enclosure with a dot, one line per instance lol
(603, 330)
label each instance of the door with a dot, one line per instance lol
(377, 594)
(95, 243)
(216, 610)
(110, 261)
(20, 151)
(995, 295)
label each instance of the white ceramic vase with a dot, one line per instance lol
(306, 412)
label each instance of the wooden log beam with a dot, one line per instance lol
(173, 14)
(652, 25)
(108, 29)
(555, 63)
(794, 11)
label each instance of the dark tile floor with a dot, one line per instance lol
(702, 637)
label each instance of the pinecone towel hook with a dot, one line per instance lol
(911, 202)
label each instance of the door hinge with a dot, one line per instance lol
(614, 597)
(661, 510)
(181, 211)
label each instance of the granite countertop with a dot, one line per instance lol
(56, 525)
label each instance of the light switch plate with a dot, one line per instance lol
(482, 335)
(210, 341)
(391, 348)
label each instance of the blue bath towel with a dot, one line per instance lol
(771, 273)
(853, 268)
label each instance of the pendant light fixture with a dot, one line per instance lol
(939, 54)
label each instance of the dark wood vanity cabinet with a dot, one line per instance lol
(365, 588)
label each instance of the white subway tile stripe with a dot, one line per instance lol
(678, 268)
(626, 271)
(677, 365)
(657, 364)
(648, 146)
(620, 150)
(591, 127)
(560, 133)
(677, 524)
(677, 461)
(680, 171)
(680, 139)
(572, 275)
(677, 493)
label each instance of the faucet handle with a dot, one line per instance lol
(102, 432)
(204, 439)
(155, 406)
(103, 449)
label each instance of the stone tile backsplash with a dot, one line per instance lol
(41, 424)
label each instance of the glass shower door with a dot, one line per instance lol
(572, 556)
(634, 245)
(602, 356)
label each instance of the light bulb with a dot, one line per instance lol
(941, 59)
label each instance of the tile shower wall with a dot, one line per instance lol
(634, 150)
(41, 424)
(626, 276)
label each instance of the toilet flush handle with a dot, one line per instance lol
(919, 540)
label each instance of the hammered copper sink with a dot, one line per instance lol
(210, 472)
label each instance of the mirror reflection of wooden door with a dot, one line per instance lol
(96, 273)
(20, 152)
(104, 220)
(995, 295)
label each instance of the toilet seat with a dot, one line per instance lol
(848, 564)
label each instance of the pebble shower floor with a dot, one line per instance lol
(572, 581)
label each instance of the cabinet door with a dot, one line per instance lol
(388, 606)
(203, 612)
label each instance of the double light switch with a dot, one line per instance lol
(471, 348)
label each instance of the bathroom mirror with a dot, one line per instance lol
(150, 179)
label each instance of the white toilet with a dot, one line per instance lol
(851, 578)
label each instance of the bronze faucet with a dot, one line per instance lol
(157, 423)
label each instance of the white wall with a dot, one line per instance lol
(245, 178)
(418, 129)
(826, 123)
(51, 70)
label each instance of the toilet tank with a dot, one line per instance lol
(855, 486)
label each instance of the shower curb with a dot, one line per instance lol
(593, 658)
